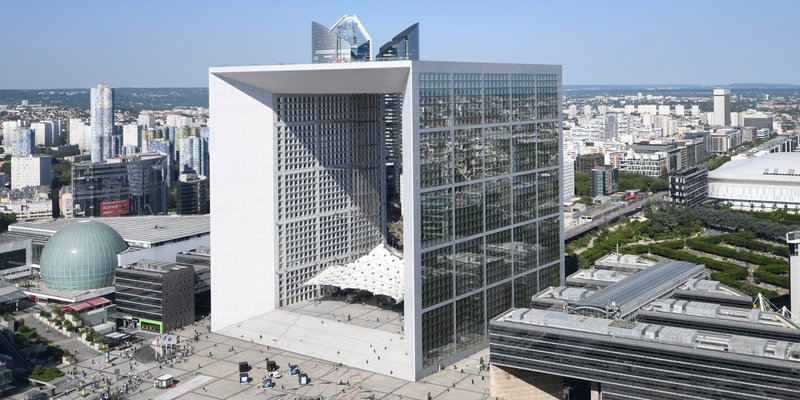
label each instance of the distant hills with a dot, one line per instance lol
(135, 99)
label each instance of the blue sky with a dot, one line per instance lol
(144, 43)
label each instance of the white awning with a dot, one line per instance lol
(380, 272)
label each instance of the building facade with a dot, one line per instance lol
(604, 180)
(31, 171)
(193, 155)
(689, 186)
(404, 46)
(22, 141)
(159, 295)
(121, 186)
(191, 194)
(481, 159)
(793, 241)
(15, 258)
(765, 183)
(653, 164)
(345, 41)
(585, 162)
(722, 107)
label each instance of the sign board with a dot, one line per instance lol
(115, 208)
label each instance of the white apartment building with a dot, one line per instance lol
(132, 135)
(722, 107)
(650, 164)
(31, 171)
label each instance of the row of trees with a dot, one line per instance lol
(729, 220)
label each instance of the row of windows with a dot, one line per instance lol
(466, 210)
(457, 326)
(470, 154)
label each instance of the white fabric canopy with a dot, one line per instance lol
(379, 272)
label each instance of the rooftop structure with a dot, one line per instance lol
(727, 345)
(155, 238)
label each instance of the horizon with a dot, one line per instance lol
(596, 43)
(751, 85)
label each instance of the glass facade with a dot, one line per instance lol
(489, 197)
(404, 46)
(346, 41)
(12, 259)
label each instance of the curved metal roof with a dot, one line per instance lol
(773, 167)
(379, 272)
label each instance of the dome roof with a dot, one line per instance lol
(81, 256)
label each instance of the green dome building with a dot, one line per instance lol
(81, 256)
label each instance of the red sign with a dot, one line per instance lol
(115, 208)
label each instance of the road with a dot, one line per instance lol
(628, 209)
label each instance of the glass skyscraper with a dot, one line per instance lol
(345, 41)
(404, 46)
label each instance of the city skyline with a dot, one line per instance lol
(598, 44)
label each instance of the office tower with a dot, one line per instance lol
(47, 133)
(147, 120)
(404, 46)
(481, 196)
(611, 126)
(167, 303)
(132, 135)
(689, 186)
(793, 240)
(120, 186)
(178, 121)
(585, 162)
(193, 155)
(31, 171)
(345, 41)
(722, 107)
(10, 126)
(695, 111)
(191, 194)
(41, 132)
(605, 180)
(569, 177)
(102, 120)
(80, 134)
(680, 110)
(22, 142)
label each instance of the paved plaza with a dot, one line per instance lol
(211, 372)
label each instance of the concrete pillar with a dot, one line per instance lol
(516, 384)
(596, 393)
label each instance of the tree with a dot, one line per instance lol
(7, 219)
(581, 184)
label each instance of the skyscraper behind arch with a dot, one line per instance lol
(345, 41)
